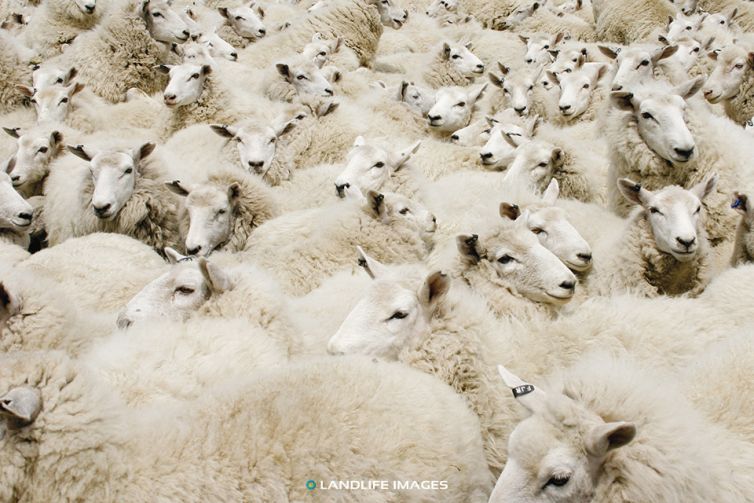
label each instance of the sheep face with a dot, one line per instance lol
(245, 20)
(500, 149)
(320, 49)
(211, 212)
(635, 65)
(660, 120)
(399, 211)
(682, 25)
(369, 167)
(688, 52)
(178, 293)
(417, 98)
(47, 75)
(517, 87)
(194, 52)
(576, 87)
(440, 7)
(218, 47)
(687, 7)
(34, 152)
(186, 83)
(257, 144)
(306, 77)
(114, 174)
(719, 20)
(673, 213)
(538, 48)
(86, 6)
(453, 107)
(53, 103)
(475, 134)
(534, 164)
(391, 14)
(732, 65)
(569, 7)
(15, 212)
(462, 59)
(556, 454)
(520, 14)
(163, 23)
(518, 262)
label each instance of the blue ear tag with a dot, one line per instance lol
(736, 204)
(524, 389)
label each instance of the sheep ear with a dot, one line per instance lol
(475, 94)
(496, 81)
(216, 279)
(359, 141)
(172, 255)
(6, 302)
(260, 11)
(176, 188)
(740, 203)
(558, 38)
(690, 87)
(713, 55)
(531, 397)
(234, 191)
(523, 39)
(553, 77)
(633, 191)
(558, 157)
(402, 90)
(509, 211)
(143, 151)
(284, 70)
(445, 51)
(601, 71)
(405, 154)
(163, 68)
(286, 127)
(15, 132)
(376, 203)
(206, 70)
(503, 69)
(705, 187)
(20, 406)
(224, 130)
(607, 51)
(81, 151)
(373, 267)
(664, 52)
(56, 138)
(469, 248)
(623, 100)
(224, 12)
(434, 288)
(551, 193)
(10, 164)
(25, 90)
(608, 436)
(663, 40)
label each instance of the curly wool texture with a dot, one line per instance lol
(743, 247)
(325, 240)
(741, 108)
(119, 54)
(11, 236)
(442, 73)
(491, 15)
(254, 206)
(213, 106)
(545, 21)
(14, 71)
(628, 22)
(282, 425)
(635, 265)
(59, 22)
(630, 157)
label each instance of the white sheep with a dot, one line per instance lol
(613, 430)
(42, 389)
(389, 226)
(223, 211)
(566, 23)
(15, 213)
(663, 249)
(453, 108)
(58, 22)
(453, 64)
(581, 93)
(732, 82)
(15, 69)
(36, 149)
(626, 23)
(745, 11)
(743, 247)
(117, 190)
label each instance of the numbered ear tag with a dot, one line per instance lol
(524, 389)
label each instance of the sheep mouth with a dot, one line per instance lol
(685, 254)
(714, 99)
(397, 24)
(560, 299)
(489, 162)
(21, 224)
(579, 266)
(479, 71)
(567, 113)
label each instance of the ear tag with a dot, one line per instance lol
(522, 390)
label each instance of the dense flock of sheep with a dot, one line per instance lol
(497, 249)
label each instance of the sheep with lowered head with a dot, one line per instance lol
(56, 23)
(663, 250)
(15, 212)
(626, 23)
(117, 190)
(389, 226)
(732, 82)
(282, 436)
(223, 211)
(606, 430)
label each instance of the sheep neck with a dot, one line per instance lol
(741, 107)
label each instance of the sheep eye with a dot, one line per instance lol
(505, 259)
(739, 66)
(156, 14)
(695, 49)
(722, 22)
(558, 481)
(531, 87)
(59, 81)
(537, 230)
(487, 131)
(461, 104)
(128, 171)
(455, 56)
(221, 211)
(323, 53)
(42, 150)
(184, 290)
(405, 211)
(542, 164)
(586, 86)
(379, 164)
(195, 76)
(698, 210)
(33, 101)
(644, 62)
(398, 315)
(688, 28)
(272, 140)
(302, 77)
(547, 47)
(568, 70)
(239, 18)
(647, 115)
(655, 211)
(64, 100)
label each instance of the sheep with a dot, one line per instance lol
(15, 213)
(296, 77)
(745, 11)
(663, 249)
(119, 190)
(132, 33)
(743, 247)
(41, 390)
(641, 64)
(58, 22)
(243, 24)
(517, 87)
(453, 65)
(604, 430)
(15, 70)
(544, 20)
(99, 272)
(36, 149)
(389, 226)
(222, 212)
(491, 15)
(581, 94)
(658, 137)
(453, 108)
(732, 82)
(626, 23)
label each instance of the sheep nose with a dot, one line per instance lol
(186, 33)
(485, 155)
(169, 98)
(234, 55)
(707, 92)
(586, 257)
(480, 66)
(565, 108)
(124, 321)
(341, 188)
(520, 110)
(529, 61)
(568, 285)
(455, 137)
(686, 243)
(25, 216)
(262, 32)
(101, 210)
(684, 153)
(89, 8)
(328, 92)
(433, 118)
(195, 250)
(617, 87)
(256, 165)
(15, 178)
